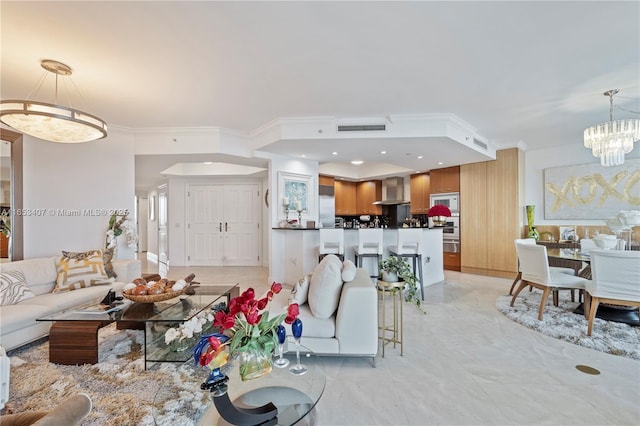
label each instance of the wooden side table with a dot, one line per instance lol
(390, 333)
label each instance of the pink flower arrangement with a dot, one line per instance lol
(247, 325)
(439, 210)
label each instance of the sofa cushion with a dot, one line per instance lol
(348, 271)
(13, 288)
(40, 273)
(325, 287)
(80, 270)
(300, 291)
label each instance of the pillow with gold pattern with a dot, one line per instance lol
(80, 270)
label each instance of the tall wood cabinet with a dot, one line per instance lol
(345, 198)
(490, 220)
(366, 194)
(420, 190)
(445, 180)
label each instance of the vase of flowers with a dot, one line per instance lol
(439, 214)
(251, 334)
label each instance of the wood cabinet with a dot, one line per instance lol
(345, 198)
(445, 180)
(366, 194)
(420, 184)
(326, 180)
(451, 261)
(490, 220)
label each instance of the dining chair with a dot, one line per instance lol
(615, 280)
(537, 273)
(370, 244)
(331, 242)
(558, 269)
(408, 245)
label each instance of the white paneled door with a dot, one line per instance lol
(223, 225)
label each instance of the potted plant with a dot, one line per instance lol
(395, 269)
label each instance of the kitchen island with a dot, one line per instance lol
(299, 254)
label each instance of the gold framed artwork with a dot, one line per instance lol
(567, 234)
(591, 191)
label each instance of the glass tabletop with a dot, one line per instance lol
(180, 308)
(568, 253)
(295, 396)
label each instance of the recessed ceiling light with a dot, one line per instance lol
(207, 162)
(357, 162)
(440, 163)
(334, 153)
(383, 152)
(419, 156)
(303, 156)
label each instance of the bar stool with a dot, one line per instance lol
(331, 242)
(409, 246)
(369, 245)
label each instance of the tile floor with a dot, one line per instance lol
(465, 363)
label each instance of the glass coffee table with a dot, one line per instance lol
(73, 338)
(295, 396)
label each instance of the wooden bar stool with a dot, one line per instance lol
(408, 245)
(369, 245)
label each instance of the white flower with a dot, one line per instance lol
(171, 335)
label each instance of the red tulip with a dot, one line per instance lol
(214, 343)
(276, 287)
(289, 319)
(293, 309)
(262, 303)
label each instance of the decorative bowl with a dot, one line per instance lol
(153, 298)
(606, 242)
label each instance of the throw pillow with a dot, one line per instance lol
(301, 291)
(325, 287)
(107, 256)
(348, 271)
(80, 270)
(13, 288)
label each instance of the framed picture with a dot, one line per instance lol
(567, 234)
(296, 192)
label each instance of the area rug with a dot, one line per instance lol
(561, 323)
(123, 393)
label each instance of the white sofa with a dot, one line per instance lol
(18, 324)
(352, 330)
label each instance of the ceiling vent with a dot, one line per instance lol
(480, 144)
(362, 127)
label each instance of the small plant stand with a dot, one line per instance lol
(390, 333)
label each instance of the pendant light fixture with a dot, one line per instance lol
(611, 141)
(52, 122)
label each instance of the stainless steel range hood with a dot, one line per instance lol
(392, 192)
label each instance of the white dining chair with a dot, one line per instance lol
(557, 269)
(615, 280)
(537, 273)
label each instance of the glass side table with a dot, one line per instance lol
(392, 332)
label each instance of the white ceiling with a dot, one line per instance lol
(528, 73)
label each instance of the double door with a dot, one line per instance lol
(223, 225)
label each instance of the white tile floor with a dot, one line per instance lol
(465, 363)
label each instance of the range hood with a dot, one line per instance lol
(392, 192)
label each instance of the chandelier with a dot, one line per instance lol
(611, 141)
(52, 122)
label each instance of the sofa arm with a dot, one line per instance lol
(357, 317)
(127, 270)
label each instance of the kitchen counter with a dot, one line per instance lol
(300, 252)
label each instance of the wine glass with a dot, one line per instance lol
(282, 335)
(296, 328)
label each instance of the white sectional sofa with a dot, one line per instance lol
(351, 329)
(18, 324)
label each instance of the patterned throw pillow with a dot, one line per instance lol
(80, 270)
(13, 288)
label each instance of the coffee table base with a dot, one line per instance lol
(74, 342)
